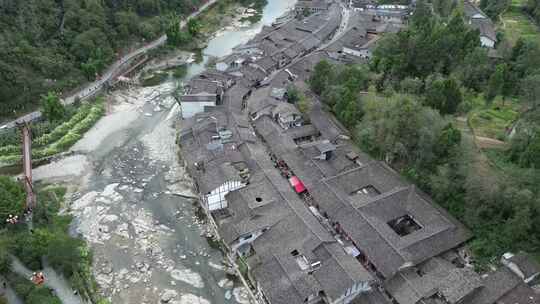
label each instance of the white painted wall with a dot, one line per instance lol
(246, 240)
(486, 42)
(189, 109)
(364, 53)
(352, 293)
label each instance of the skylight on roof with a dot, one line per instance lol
(404, 225)
(369, 191)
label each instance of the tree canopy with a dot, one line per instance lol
(49, 45)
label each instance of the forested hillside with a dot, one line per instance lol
(533, 8)
(57, 44)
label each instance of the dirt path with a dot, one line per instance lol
(52, 280)
(8, 293)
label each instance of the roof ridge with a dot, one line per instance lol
(287, 275)
(363, 166)
(343, 267)
(386, 194)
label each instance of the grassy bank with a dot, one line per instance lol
(51, 141)
(48, 239)
(223, 12)
(494, 120)
(517, 24)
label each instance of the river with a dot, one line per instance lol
(130, 193)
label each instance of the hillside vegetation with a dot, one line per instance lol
(421, 84)
(533, 8)
(55, 45)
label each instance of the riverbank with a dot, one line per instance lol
(45, 246)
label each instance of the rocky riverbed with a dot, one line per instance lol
(132, 200)
(133, 207)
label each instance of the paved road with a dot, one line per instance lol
(93, 87)
(344, 23)
(54, 281)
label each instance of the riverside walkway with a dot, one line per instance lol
(93, 88)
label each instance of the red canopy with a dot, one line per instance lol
(297, 184)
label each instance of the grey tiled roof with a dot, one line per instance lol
(282, 278)
(485, 27)
(497, 284)
(435, 276)
(526, 264)
(319, 4)
(470, 9)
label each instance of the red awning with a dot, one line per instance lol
(297, 184)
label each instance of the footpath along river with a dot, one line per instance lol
(130, 202)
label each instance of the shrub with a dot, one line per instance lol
(30, 293)
(67, 141)
(10, 159)
(11, 149)
(61, 138)
(12, 197)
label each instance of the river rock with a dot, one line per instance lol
(168, 295)
(142, 267)
(107, 269)
(226, 283)
(241, 295)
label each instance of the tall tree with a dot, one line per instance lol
(496, 83)
(530, 87)
(53, 109)
(194, 26)
(321, 76)
(443, 94)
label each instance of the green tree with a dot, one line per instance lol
(303, 105)
(411, 85)
(347, 108)
(194, 27)
(525, 143)
(422, 15)
(399, 130)
(530, 90)
(64, 253)
(495, 84)
(475, 70)
(293, 94)
(52, 108)
(448, 140)
(443, 94)
(493, 8)
(322, 75)
(12, 198)
(332, 95)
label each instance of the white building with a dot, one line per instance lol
(480, 21)
(198, 94)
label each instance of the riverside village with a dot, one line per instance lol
(239, 184)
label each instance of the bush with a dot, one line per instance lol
(64, 128)
(53, 110)
(10, 159)
(61, 138)
(12, 198)
(67, 141)
(11, 149)
(30, 293)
